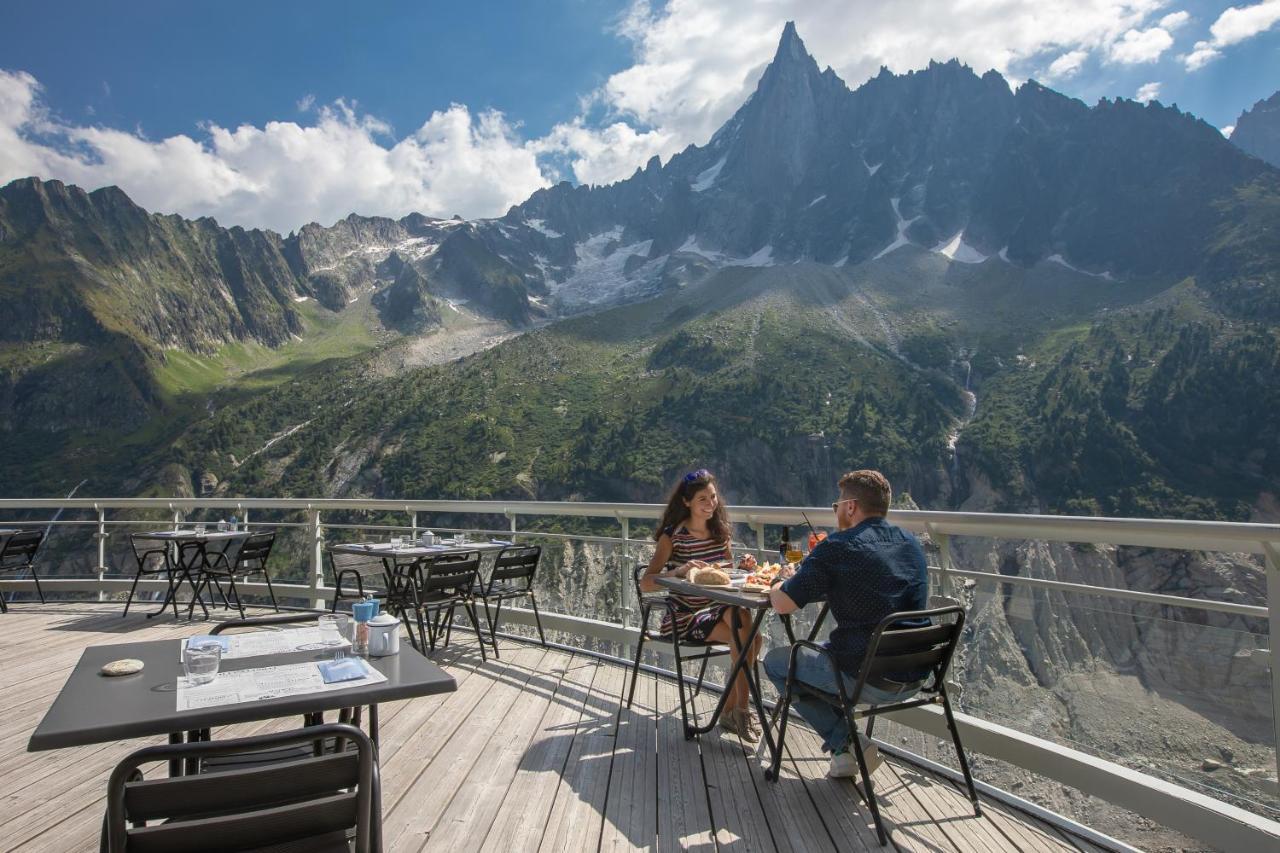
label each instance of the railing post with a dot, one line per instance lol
(317, 560)
(944, 559)
(760, 541)
(623, 576)
(413, 524)
(102, 550)
(1273, 620)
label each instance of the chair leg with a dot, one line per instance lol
(702, 671)
(684, 711)
(867, 790)
(780, 713)
(537, 618)
(231, 580)
(493, 630)
(35, 577)
(271, 590)
(475, 623)
(635, 670)
(132, 589)
(964, 762)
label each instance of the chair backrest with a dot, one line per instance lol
(909, 649)
(453, 573)
(365, 565)
(302, 802)
(517, 562)
(256, 622)
(255, 550)
(145, 549)
(20, 549)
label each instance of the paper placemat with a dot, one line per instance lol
(268, 682)
(252, 644)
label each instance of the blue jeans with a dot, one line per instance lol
(815, 670)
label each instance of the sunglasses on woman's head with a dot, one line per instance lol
(695, 476)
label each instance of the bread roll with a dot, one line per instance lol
(709, 576)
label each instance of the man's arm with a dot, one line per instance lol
(782, 603)
(804, 585)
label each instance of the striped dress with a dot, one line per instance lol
(696, 617)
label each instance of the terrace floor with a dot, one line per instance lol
(532, 752)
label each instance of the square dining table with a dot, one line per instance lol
(94, 708)
(187, 557)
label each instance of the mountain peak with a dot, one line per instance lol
(1257, 131)
(791, 51)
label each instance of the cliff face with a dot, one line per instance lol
(1257, 131)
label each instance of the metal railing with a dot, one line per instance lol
(1219, 823)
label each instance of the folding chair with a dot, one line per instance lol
(249, 560)
(890, 651)
(438, 587)
(318, 803)
(144, 550)
(704, 651)
(512, 577)
(18, 554)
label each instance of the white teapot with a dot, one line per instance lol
(384, 635)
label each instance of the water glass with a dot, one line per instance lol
(397, 541)
(333, 631)
(200, 662)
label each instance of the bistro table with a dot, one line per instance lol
(759, 603)
(94, 708)
(399, 562)
(190, 550)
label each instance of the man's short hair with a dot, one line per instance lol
(870, 488)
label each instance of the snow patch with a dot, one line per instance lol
(598, 275)
(761, 258)
(708, 177)
(301, 298)
(540, 225)
(815, 201)
(416, 248)
(1061, 261)
(871, 170)
(903, 225)
(959, 251)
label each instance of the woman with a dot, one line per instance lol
(694, 532)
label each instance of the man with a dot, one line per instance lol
(866, 571)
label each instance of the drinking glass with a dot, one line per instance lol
(333, 629)
(200, 662)
(397, 541)
(794, 555)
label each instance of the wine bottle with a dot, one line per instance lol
(785, 545)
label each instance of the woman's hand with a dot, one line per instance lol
(683, 571)
(747, 563)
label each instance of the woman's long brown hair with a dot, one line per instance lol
(677, 512)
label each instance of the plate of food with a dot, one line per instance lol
(708, 576)
(762, 578)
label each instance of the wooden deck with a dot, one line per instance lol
(533, 752)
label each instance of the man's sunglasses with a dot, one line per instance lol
(835, 507)
(695, 476)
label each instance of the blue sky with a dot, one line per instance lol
(279, 113)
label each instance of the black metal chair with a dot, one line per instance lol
(512, 577)
(19, 554)
(319, 803)
(704, 651)
(440, 586)
(890, 651)
(250, 559)
(358, 568)
(144, 550)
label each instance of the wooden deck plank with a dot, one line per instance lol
(739, 820)
(413, 818)
(947, 809)
(630, 816)
(577, 815)
(522, 818)
(477, 801)
(684, 815)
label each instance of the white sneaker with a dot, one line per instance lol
(844, 765)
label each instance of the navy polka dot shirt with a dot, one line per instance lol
(864, 573)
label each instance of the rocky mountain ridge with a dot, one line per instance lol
(1257, 131)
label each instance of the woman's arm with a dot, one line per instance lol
(661, 555)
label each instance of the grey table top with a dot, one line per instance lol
(721, 594)
(384, 549)
(192, 536)
(93, 708)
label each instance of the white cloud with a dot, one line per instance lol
(306, 102)
(1228, 130)
(1139, 46)
(1234, 25)
(284, 174)
(604, 155)
(1147, 92)
(1174, 20)
(1067, 65)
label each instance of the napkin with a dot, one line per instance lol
(343, 669)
